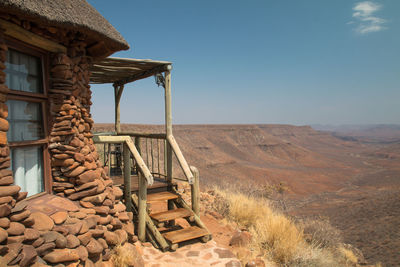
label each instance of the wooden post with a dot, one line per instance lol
(142, 207)
(127, 177)
(195, 189)
(168, 131)
(109, 159)
(117, 97)
(137, 145)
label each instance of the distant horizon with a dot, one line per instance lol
(260, 62)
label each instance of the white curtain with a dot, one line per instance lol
(27, 167)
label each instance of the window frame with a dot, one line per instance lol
(42, 98)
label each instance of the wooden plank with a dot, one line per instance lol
(185, 234)
(145, 135)
(171, 215)
(161, 196)
(21, 34)
(139, 160)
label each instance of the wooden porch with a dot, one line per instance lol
(146, 160)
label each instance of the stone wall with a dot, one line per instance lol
(92, 220)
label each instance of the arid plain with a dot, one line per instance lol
(350, 177)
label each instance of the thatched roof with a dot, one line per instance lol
(72, 14)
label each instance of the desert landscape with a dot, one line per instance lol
(350, 177)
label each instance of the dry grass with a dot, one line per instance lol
(279, 238)
(122, 256)
(273, 233)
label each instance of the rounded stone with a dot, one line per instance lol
(42, 221)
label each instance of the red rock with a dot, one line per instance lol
(85, 238)
(16, 229)
(65, 203)
(15, 239)
(102, 210)
(20, 196)
(46, 247)
(82, 194)
(82, 252)
(3, 235)
(122, 236)
(88, 176)
(96, 199)
(97, 232)
(74, 229)
(7, 180)
(86, 204)
(28, 222)
(31, 234)
(61, 229)
(42, 221)
(105, 220)
(5, 210)
(94, 247)
(84, 228)
(9, 190)
(50, 236)
(112, 239)
(59, 217)
(61, 241)
(123, 216)
(4, 223)
(19, 216)
(79, 157)
(38, 242)
(28, 255)
(61, 255)
(119, 207)
(72, 241)
(92, 221)
(77, 171)
(117, 192)
(103, 243)
(13, 251)
(240, 238)
(129, 228)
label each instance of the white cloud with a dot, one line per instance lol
(366, 20)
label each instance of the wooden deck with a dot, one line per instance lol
(159, 183)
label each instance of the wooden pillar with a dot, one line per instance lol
(117, 97)
(195, 190)
(168, 131)
(127, 177)
(142, 205)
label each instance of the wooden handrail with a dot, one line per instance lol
(181, 159)
(145, 135)
(128, 141)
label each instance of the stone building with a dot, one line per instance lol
(57, 204)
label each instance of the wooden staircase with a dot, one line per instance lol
(161, 229)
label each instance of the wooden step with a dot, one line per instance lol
(185, 234)
(171, 215)
(161, 196)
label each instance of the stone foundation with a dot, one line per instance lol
(88, 219)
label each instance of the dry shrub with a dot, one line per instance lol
(122, 256)
(348, 255)
(320, 233)
(273, 233)
(277, 237)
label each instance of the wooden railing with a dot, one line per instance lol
(152, 154)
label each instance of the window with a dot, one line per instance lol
(25, 76)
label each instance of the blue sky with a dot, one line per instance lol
(290, 62)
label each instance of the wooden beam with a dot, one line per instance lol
(127, 177)
(181, 159)
(117, 97)
(195, 191)
(142, 205)
(145, 135)
(28, 37)
(144, 74)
